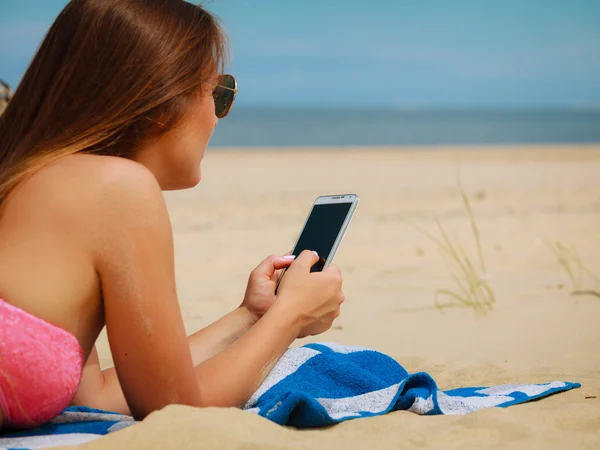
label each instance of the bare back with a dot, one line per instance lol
(46, 268)
(87, 242)
(45, 255)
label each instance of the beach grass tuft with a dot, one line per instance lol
(568, 258)
(472, 288)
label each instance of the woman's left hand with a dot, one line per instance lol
(260, 292)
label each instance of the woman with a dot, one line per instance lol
(118, 104)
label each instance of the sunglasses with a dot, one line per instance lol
(224, 95)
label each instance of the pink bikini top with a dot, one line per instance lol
(40, 368)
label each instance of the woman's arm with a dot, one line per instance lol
(218, 336)
(133, 254)
(230, 377)
(308, 303)
(101, 388)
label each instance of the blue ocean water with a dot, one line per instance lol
(246, 127)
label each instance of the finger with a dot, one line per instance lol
(282, 264)
(335, 273)
(334, 270)
(284, 261)
(306, 259)
(267, 267)
(277, 274)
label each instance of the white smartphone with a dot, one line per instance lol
(325, 228)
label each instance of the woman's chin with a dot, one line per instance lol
(182, 183)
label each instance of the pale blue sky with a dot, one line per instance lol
(384, 53)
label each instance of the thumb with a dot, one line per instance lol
(281, 262)
(271, 264)
(307, 259)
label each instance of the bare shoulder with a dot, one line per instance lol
(88, 195)
(93, 186)
(101, 175)
(63, 223)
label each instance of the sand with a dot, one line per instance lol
(253, 203)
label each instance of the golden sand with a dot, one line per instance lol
(252, 203)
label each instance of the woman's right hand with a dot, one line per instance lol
(314, 298)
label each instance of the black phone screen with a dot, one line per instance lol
(321, 231)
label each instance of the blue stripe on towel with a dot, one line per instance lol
(314, 386)
(76, 425)
(323, 384)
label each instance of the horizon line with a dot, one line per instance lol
(428, 108)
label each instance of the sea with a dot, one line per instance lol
(254, 127)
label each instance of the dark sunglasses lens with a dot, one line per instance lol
(228, 81)
(224, 97)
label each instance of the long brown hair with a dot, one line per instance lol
(105, 74)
